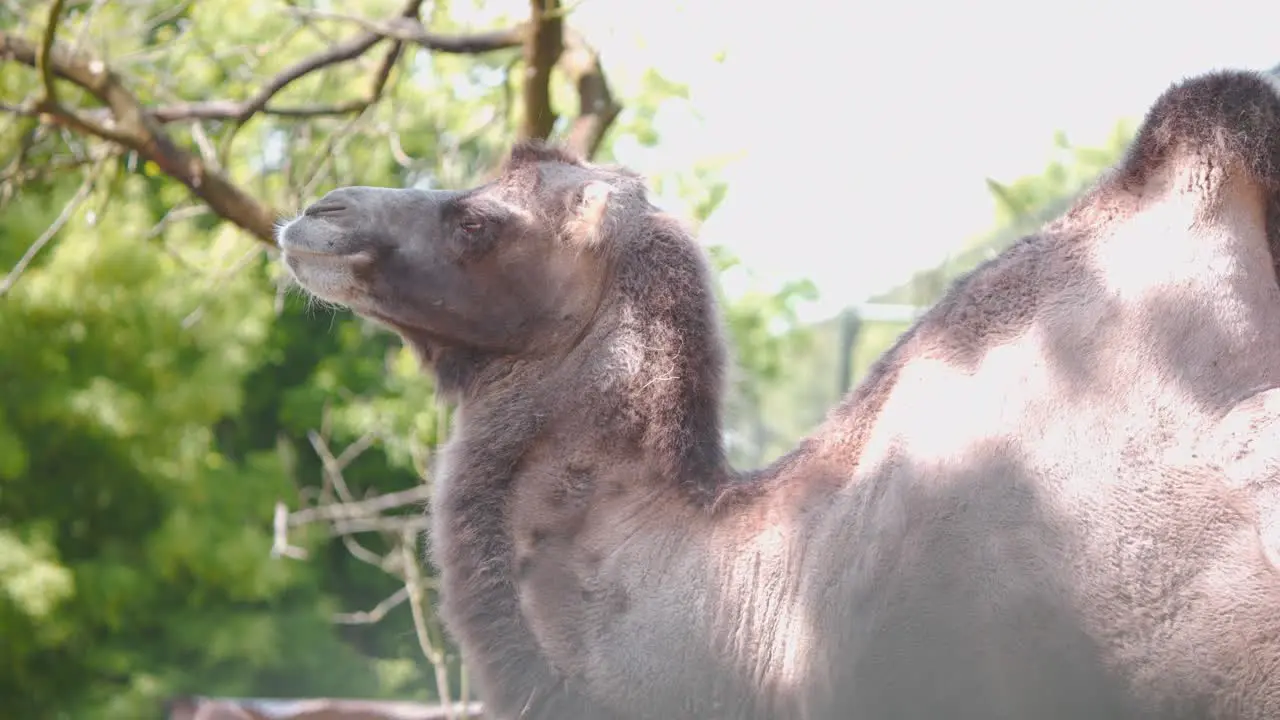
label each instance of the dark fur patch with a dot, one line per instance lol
(677, 393)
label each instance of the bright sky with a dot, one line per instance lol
(866, 129)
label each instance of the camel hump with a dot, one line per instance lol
(1226, 121)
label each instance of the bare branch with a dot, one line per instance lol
(280, 546)
(360, 509)
(353, 451)
(541, 52)
(404, 29)
(333, 469)
(413, 583)
(334, 145)
(342, 52)
(233, 110)
(86, 18)
(17, 172)
(167, 15)
(337, 53)
(378, 523)
(173, 215)
(347, 516)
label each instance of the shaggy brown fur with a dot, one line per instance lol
(1054, 497)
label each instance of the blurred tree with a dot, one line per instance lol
(161, 388)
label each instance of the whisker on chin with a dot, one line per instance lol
(311, 301)
(316, 302)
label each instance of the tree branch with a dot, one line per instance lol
(46, 47)
(133, 127)
(340, 53)
(360, 509)
(413, 582)
(379, 611)
(596, 107)
(234, 110)
(542, 50)
(343, 515)
(412, 30)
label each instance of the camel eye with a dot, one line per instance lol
(471, 225)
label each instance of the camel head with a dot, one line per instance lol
(512, 267)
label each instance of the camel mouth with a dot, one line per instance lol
(323, 260)
(306, 252)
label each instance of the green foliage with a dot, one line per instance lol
(132, 551)
(1029, 201)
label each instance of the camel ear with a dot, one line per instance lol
(588, 217)
(593, 199)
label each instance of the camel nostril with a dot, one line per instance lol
(325, 206)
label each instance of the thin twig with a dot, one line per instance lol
(280, 545)
(542, 49)
(167, 15)
(67, 211)
(413, 31)
(413, 581)
(377, 523)
(353, 510)
(86, 19)
(379, 611)
(44, 61)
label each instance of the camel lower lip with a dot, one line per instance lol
(295, 251)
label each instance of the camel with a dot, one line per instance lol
(1054, 497)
